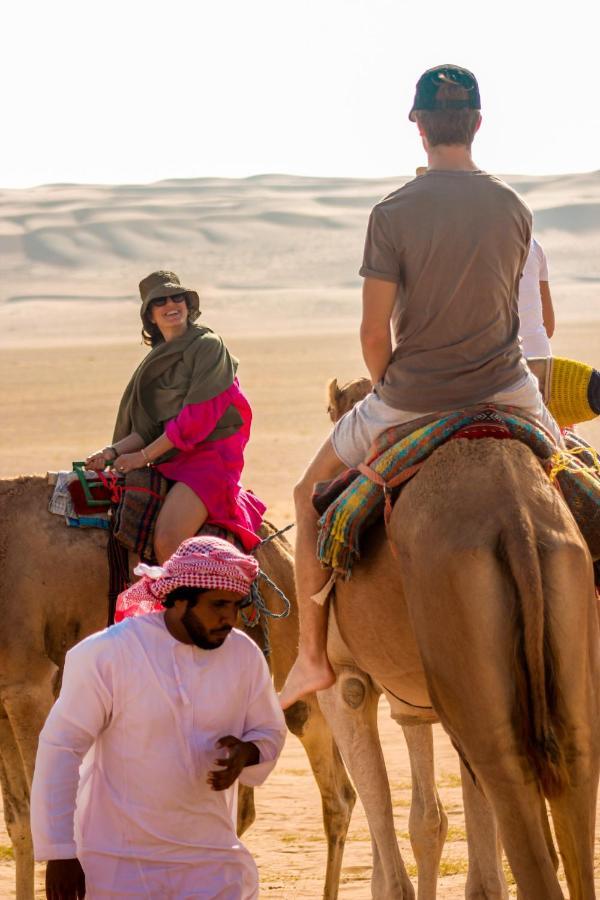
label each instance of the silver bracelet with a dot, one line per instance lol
(146, 457)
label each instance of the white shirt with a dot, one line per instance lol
(532, 332)
(149, 709)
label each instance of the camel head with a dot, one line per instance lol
(342, 399)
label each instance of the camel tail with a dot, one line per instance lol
(535, 666)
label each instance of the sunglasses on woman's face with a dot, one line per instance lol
(162, 301)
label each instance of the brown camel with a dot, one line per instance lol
(479, 610)
(357, 697)
(53, 585)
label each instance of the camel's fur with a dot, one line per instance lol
(53, 587)
(482, 607)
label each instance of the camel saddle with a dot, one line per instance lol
(358, 497)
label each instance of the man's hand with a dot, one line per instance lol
(65, 880)
(240, 754)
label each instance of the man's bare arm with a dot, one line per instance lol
(547, 308)
(375, 336)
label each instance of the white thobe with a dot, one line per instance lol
(139, 815)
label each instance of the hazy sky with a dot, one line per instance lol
(139, 90)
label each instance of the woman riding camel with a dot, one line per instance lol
(183, 412)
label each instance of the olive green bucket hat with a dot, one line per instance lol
(167, 284)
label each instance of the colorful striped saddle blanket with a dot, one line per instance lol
(355, 500)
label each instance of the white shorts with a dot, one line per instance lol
(355, 432)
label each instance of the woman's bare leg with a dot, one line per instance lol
(180, 517)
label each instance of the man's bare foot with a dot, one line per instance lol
(304, 677)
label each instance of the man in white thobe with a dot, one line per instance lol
(146, 702)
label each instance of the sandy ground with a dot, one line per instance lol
(275, 259)
(58, 404)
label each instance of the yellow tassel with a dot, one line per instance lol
(569, 384)
(566, 461)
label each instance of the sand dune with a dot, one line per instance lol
(268, 248)
(571, 217)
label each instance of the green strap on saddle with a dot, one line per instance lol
(87, 485)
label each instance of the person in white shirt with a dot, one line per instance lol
(536, 312)
(169, 710)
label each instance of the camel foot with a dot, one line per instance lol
(304, 677)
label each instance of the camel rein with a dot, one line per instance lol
(388, 486)
(260, 607)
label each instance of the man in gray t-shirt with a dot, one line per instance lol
(442, 263)
(452, 244)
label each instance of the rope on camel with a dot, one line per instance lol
(260, 608)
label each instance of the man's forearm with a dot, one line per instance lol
(377, 353)
(547, 308)
(252, 753)
(81, 712)
(375, 335)
(53, 798)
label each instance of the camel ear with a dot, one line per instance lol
(333, 391)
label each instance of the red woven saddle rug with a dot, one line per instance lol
(134, 502)
(136, 505)
(486, 424)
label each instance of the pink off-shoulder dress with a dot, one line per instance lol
(212, 469)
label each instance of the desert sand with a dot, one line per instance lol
(275, 260)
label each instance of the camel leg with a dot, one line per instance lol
(350, 707)
(549, 842)
(575, 638)
(574, 814)
(516, 802)
(27, 707)
(15, 796)
(428, 822)
(246, 811)
(485, 878)
(475, 587)
(306, 720)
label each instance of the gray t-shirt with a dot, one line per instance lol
(455, 243)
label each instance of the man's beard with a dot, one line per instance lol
(199, 635)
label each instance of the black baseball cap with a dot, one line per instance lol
(432, 79)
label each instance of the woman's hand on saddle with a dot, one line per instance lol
(99, 460)
(127, 462)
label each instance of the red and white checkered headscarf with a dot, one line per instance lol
(202, 562)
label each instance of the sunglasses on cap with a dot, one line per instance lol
(162, 301)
